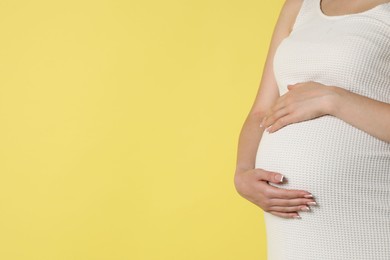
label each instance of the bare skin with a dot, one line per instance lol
(342, 7)
(309, 100)
(303, 101)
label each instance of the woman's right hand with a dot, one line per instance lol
(254, 186)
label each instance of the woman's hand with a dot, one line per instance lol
(303, 101)
(253, 185)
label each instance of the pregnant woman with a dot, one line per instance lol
(314, 150)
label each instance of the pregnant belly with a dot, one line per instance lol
(330, 159)
(348, 172)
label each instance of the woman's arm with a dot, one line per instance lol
(267, 93)
(252, 183)
(308, 100)
(364, 113)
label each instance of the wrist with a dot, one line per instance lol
(335, 101)
(241, 170)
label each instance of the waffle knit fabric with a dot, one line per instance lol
(346, 169)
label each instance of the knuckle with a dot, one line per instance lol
(284, 215)
(290, 109)
(290, 209)
(267, 204)
(289, 203)
(305, 201)
(300, 202)
(266, 192)
(296, 202)
(286, 195)
(297, 193)
(263, 175)
(270, 176)
(270, 119)
(297, 208)
(281, 121)
(265, 207)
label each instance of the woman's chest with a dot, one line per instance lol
(350, 54)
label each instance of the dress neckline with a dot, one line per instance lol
(319, 8)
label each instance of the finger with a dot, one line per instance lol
(278, 108)
(275, 116)
(283, 121)
(291, 87)
(263, 122)
(291, 202)
(279, 104)
(279, 193)
(285, 215)
(290, 209)
(273, 177)
(278, 124)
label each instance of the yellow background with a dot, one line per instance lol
(119, 122)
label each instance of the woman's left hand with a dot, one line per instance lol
(303, 101)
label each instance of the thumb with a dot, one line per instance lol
(290, 87)
(296, 85)
(270, 176)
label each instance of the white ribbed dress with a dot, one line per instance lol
(346, 169)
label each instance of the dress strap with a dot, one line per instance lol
(306, 12)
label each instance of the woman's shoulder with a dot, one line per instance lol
(291, 10)
(300, 11)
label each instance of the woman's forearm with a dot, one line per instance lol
(364, 113)
(248, 142)
(309, 100)
(254, 185)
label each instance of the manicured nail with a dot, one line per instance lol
(305, 208)
(311, 203)
(297, 217)
(308, 196)
(279, 179)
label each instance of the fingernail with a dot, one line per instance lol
(311, 203)
(297, 217)
(305, 208)
(308, 196)
(279, 179)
